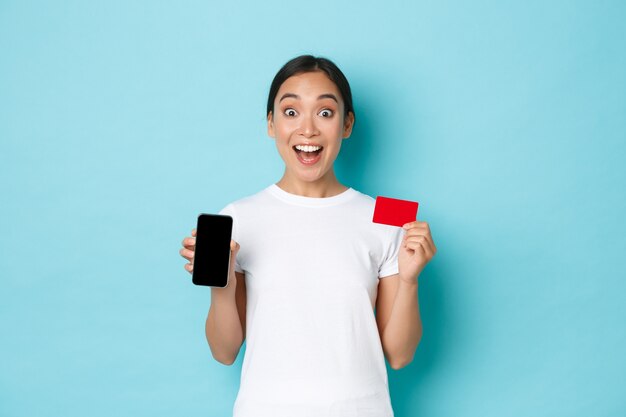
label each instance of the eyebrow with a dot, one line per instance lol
(327, 95)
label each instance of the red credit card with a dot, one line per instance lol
(394, 212)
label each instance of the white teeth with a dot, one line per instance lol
(308, 148)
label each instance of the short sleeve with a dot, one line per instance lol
(230, 211)
(389, 263)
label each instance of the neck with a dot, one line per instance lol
(324, 187)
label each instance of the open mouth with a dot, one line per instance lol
(308, 154)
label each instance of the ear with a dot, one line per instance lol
(270, 125)
(347, 125)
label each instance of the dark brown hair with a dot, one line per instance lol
(310, 63)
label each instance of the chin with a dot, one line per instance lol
(309, 178)
(309, 175)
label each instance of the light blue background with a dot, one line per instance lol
(121, 121)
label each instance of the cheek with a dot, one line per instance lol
(336, 126)
(284, 128)
(335, 130)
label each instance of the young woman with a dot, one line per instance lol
(308, 267)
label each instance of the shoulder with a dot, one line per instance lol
(361, 201)
(365, 205)
(363, 198)
(248, 202)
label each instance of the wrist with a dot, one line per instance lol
(409, 281)
(224, 295)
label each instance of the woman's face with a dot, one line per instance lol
(308, 125)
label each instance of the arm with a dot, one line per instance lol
(226, 322)
(225, 326)
(398, 319)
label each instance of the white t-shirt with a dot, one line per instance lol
(312, 267)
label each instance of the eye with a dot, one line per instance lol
(290, 112)
(326, 113)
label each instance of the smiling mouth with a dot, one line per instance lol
(308, 157)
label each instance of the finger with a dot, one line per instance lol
(428, 249)
(431, 244)
(425, 231)
(410, 225)
(417, 246)
(428, 240)
(187, 254)
(422, 248)
(425, 247)
(414, 238)
(193, 232)
(189, 267)
(417, 239)
(189, 242)
(426, 236)
(416, 231)
(416, 225)
(420, 240)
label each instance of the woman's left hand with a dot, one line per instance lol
(416, 250)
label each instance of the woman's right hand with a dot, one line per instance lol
(188, 252)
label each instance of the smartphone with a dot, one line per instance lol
(211, 262)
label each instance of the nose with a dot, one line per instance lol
(308, 127)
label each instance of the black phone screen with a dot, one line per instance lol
(211, 260)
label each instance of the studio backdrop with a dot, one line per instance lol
(121, 121)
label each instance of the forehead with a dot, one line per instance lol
(309, 84)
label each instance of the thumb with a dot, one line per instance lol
(234, 248)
